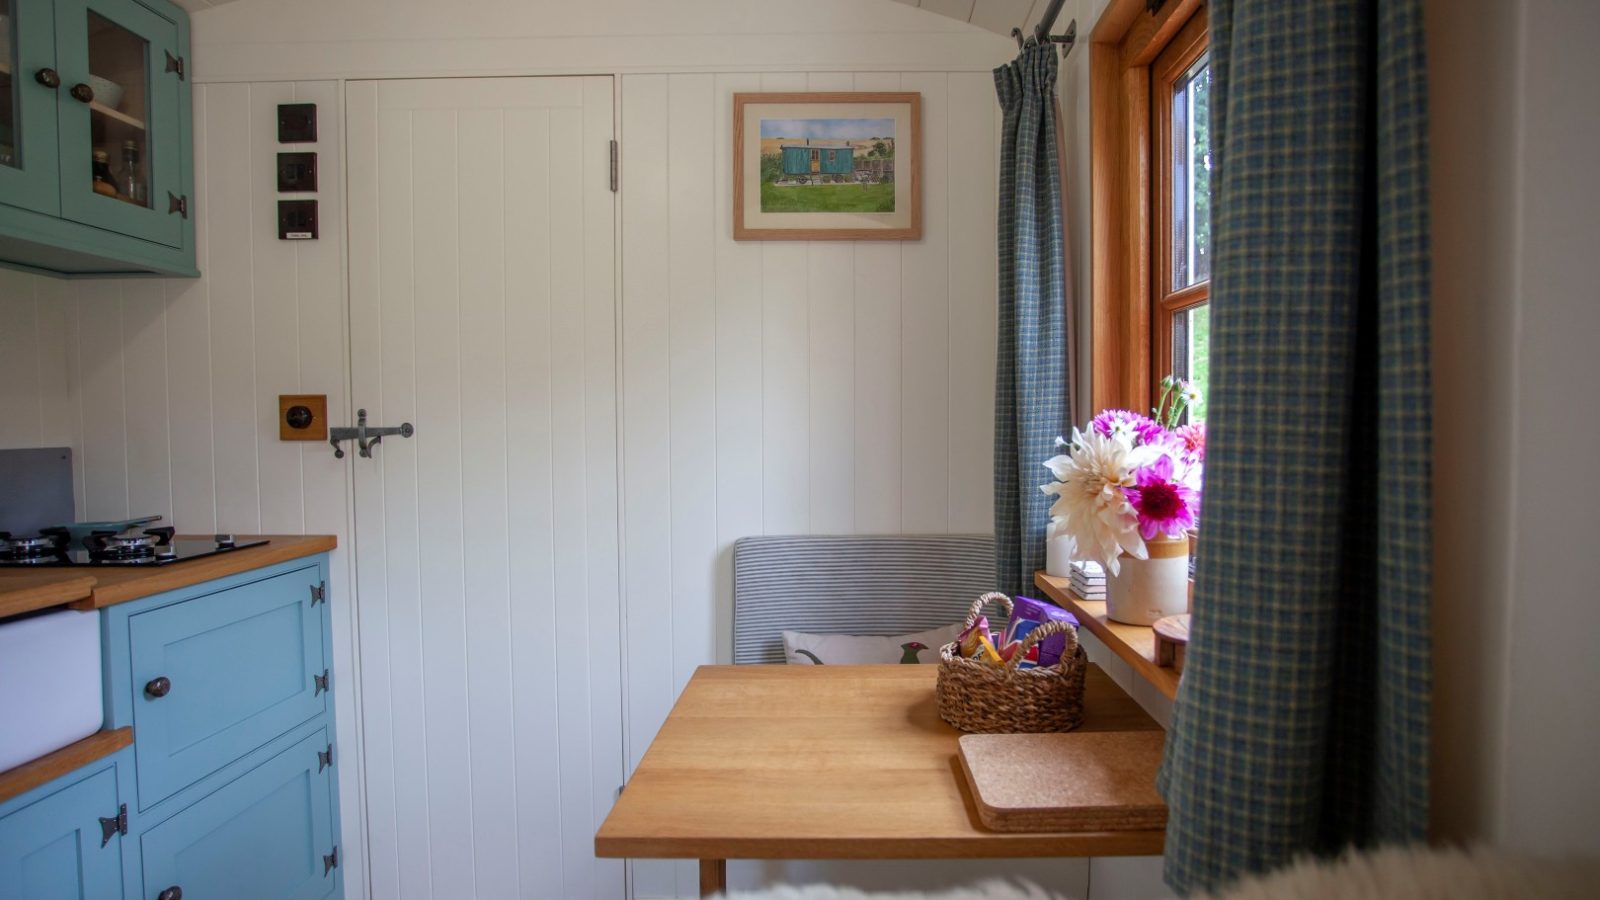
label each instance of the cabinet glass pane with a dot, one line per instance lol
(9, 120)
(1191, 176)
(1191, 352)
(119, 114)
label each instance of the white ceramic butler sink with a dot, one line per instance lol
(50, 691)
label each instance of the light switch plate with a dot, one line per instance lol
(302, 417)
(297, 220)
(297, 123)
(297, 173)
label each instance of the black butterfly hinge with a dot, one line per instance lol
(114, 825)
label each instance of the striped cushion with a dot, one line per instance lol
(878, 584)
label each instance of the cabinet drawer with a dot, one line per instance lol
(217, 676)
(263, 836)
(52, 847)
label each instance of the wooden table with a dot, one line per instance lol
(827, 762)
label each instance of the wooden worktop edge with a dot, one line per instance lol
(114, 587)
(68, 589)
(1133, 644)
(1012, 846)
(18, 781)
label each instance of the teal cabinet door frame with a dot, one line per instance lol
(157, 222)
(216, 676)
(52, 844)
(271, 829)
(121, 692)
(33, 180)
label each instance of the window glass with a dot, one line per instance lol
(1191, 175)
(1191, 352)
(119, 119)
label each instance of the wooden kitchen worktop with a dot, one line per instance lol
(84, 587)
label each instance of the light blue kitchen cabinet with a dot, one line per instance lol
(96, 147)
(218, 675)
(52, 843)
(230, 789)
(30, 170)
(267, 835)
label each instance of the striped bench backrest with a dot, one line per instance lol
(859, 584)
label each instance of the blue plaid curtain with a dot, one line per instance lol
(1302, 721)
(1031, 390)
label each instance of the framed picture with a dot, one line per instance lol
(827, 167)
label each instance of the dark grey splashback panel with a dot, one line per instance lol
(35, 489)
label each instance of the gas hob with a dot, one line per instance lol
(55, 547)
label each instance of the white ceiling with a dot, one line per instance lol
(999, 16)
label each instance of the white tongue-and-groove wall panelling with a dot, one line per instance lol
(766, 387)
(788, 387)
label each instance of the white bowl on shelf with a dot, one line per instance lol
(106, 91)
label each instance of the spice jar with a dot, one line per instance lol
(130, 182)
(103, 181)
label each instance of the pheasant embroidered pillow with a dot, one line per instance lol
(854, 650)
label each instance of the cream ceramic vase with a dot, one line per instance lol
(1146, 590)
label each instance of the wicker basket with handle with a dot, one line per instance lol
(981, 698)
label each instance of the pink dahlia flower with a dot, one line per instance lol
(1135, 429)
(1163, 505)
(1194, 441)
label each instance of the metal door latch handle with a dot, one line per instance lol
(365, 438)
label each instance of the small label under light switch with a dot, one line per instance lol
(297, 220)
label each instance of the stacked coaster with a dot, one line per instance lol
(1072, 782)
(1088, 580)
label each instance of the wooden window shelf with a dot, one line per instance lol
(29, 775)
(1134, 644)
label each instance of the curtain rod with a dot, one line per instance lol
(1041, 32)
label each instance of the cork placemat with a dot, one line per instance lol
(1097, 781)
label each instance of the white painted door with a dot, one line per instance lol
(482, 295)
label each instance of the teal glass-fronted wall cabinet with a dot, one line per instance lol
(230, 789)
(96, 146)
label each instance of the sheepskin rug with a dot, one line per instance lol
(1389, 874)
(1399, 873)
(988, 890)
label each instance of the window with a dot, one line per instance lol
(1150, 88)
(1181, 289)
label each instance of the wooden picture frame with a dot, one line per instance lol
(837, 177)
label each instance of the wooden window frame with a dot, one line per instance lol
(1131, 52)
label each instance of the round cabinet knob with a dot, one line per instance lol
(82, 93)
(171, 893)
(48, 77)
(158, 688)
